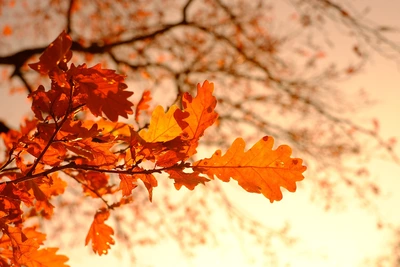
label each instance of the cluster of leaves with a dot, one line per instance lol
(267, 57)
(61, 143)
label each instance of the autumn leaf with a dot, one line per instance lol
(100, 233)
(149, 182)
(127, 184)
(94, 184)
(259, 170)
(143, 104)
(77, 130)
(10, 205)
(102, 90)
(201, 114)
(52, 102)
(95, 154)
(189, 180)
(57, 52)
(112, 128)
(163, 126)
(22, 248)
(45, 257)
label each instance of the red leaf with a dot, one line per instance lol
(102, 90)
(57, 52)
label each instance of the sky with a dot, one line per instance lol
(343, 237)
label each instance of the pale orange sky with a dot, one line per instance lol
(336, 238)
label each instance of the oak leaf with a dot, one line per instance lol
(143, 104)
(94, 184)
(100, 233)
(95, 154)
(163, 126)
(259, 170)
(57, 52)
(201, 114)
(149, 182)
(189, 180)
(127, 184)
(102, 90)
(22, 248)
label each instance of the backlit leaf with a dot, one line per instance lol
(201, 114)
(189, 180)
(259, 170)
(143, 104)
(57, 52)
(149, 182)
(163, 126)
(127, 184)
(21, 248)
(102, 90)
(100, 233)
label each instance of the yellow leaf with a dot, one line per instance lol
(163, 126)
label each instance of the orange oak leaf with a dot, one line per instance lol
(111, 128)
(163, 126)
(100, 233)
(54, 185)
(22, 248)
(189, 180)
(149, 182)
(45, 257)
(102, 90)
(43, 189)
(259, 170)
(94, 184)
(127, 184)
(54, 155)
(95, 154)
(57, 52)
(201, 114)
(143, 104)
